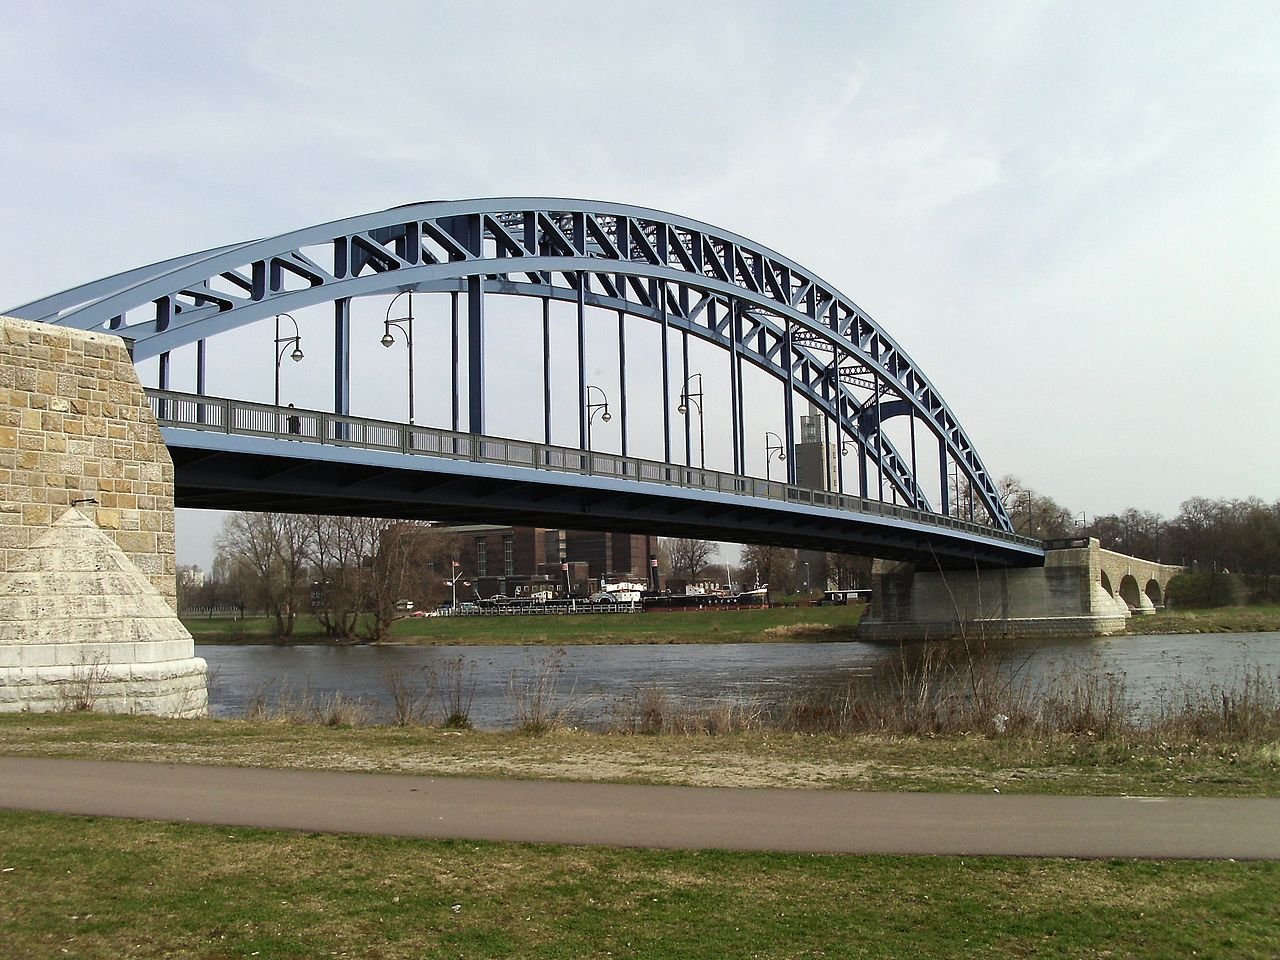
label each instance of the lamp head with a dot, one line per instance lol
(297, 353)
(388, 339)
(606, 417)
(683, 408)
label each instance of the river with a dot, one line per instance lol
(592, 683)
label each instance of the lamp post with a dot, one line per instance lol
(453, 584)
(404, 325)
(770, 449)
(695, 397)
(845, 446)
(601, 406)
(283, 344)
(806, 577)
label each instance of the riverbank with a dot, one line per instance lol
(1253, 619)
(1084, 764)
(775, 624)
(772, 625)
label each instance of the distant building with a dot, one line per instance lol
(525, 561)
(191, 577)
(818, 468)
(817, 458)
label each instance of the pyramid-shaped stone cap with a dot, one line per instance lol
(74, 585)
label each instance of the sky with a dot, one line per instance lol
(1068, 214)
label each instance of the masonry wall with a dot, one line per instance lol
(1064, 597)
(75, 424)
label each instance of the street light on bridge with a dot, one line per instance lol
(404, 325)
(695, 397)
(776, 447)
(283, 344)
(601, 406)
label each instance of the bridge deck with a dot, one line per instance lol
(234, 454)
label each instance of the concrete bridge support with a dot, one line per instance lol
(87, 592)
(75, 424)
(1082, 590)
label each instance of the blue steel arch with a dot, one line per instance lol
(691, 277)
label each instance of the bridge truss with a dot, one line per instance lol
(690, 278)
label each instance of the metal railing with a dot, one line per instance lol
(241, 417)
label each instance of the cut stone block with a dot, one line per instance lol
(82, 628)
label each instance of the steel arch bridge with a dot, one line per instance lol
(691, 279)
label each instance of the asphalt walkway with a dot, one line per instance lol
(827, 821)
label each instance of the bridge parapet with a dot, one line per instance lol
(561, 485)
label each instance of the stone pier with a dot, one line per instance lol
(87, 589)
(1082, 590)
(76, 425)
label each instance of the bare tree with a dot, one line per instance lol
(408, 565)
(769, 566)
(341, 550)
(1033, 514)
(270, 550)
(848, 571)
(690, 557)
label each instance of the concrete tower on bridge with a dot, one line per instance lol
(818, 468)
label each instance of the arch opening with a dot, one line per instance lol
(1129, 592)
(1152, 590)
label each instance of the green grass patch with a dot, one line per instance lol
(1080, 765)
(1252, 619)
(90, 887)
(777, 624)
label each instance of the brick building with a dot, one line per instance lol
(517, 561)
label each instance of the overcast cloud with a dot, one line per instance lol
(1067, 213)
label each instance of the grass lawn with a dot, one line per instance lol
(1061, 765)
(1259, 619)
(735, 626)
(90, 888)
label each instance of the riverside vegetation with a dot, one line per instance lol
(775, 624)
(937, 717)
(739, 626)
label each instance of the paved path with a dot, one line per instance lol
(833, 821)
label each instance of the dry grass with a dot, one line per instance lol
(1059, 764)
(798, 632)
(305, 707)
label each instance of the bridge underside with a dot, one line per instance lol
(276, 477)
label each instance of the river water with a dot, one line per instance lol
(592, 684)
